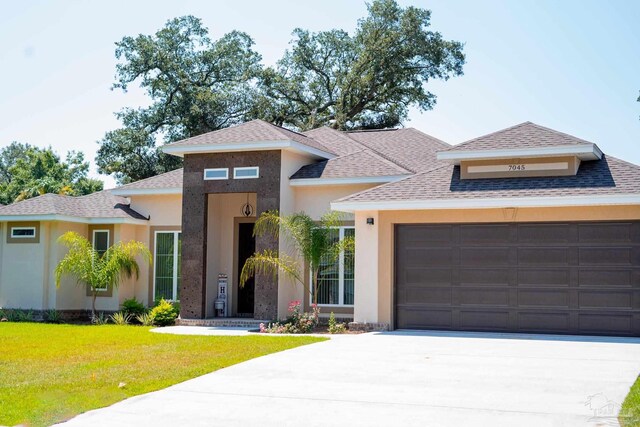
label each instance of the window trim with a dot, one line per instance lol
(217, 178)
(13, 236)
(246, 168)
(93, 245)
(175, 262)
(341, 229)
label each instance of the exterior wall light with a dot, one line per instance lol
(370, 221)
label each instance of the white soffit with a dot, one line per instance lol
(582, 151)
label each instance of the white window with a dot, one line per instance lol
(336, 279)
(246, 173)
(218, 173)
(23, 232)
(166, 274)
(101, 244)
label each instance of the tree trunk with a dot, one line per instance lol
(93, 304)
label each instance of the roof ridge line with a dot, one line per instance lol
(388, 158)
(453, 147)
(141, 180)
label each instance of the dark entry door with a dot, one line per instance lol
(246, 248)
(569, 278)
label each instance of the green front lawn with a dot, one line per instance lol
(630, 412)
(49, 373)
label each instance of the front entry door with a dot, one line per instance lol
(246, 248)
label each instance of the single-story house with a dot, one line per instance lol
(523, 230)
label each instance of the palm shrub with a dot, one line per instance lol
(314, 242)
(120, 318)
(99, 271)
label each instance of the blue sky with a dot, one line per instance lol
(569, 65)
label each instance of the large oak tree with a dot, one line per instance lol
(365, 80)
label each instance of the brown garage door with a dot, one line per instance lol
(578, 278)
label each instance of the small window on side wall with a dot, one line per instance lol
(23, 232)
(246, 173)
(218, 173)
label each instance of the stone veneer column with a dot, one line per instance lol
(194, 224)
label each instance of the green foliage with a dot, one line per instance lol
(52, 316)
(16, 315)
(336, 327)
(27, 171)
(314, 241)
(51, 373)
(298, 321)
(196, 85)
(120, 318)
(368, 79)
(630, 412)
(88, 267)
(99, 319)
(145, 319)
(133, 307)
(164, 314)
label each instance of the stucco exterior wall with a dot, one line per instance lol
(163, 209)
(23, 270)
(315, 201)
(70, 295)
(375, 244)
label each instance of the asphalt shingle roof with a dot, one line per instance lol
(524, 135)
(172, 179)
(102, 204)
(606, 176)
(363, 163)
(253, 131)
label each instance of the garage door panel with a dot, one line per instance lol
(544, 233)
(477, 320)
(609, 233)
(606, 323)
(492, 297)
(427, 277)
(543, 298)
(606, 299)
(421, 318)
(428, 296)
(548, 322)
(422, 257)
(483, 256)
(543, 277)
(484, 276)
(578, 278)
(543, 256)
(485, 233)
(605, 278)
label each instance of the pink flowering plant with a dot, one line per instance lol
(298, 321)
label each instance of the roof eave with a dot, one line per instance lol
(70, 218)
(588, 151)
(487, 203)
(312, 182)
(126, 192)
(180, 150)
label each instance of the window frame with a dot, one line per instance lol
(217, 178)
(341, 229)
(93, 245)
(13, 236)
(246, 168)
(175, 234)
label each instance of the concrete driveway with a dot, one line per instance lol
(402, 378)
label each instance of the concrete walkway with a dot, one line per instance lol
(402, 378)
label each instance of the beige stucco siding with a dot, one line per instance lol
(165, 209)
(315, 201)
(374, 244)
(70, 295)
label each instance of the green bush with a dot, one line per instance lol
(336, 327)
(52, 316)
(133, 308)
(100, 319)
(120, 318)
(19, 315)
(164, 314)
(145, 319)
